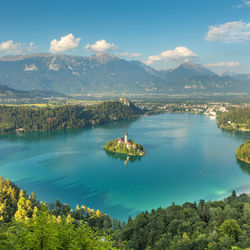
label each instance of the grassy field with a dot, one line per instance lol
(56, 103)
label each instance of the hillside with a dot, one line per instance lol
(14, 118)
(7, 92)
(27, 223)
(204, 225)
(243, 152)
(236, 119)
(107, 73)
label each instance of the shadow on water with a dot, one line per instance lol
(40, 136)
(124, 124)
(245, 167)
(123, 157)
(51, 135)
(240, 134)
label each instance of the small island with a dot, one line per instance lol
(125, 146)
(243, 152)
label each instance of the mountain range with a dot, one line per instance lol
(106, 73)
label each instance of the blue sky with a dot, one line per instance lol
(162, 33)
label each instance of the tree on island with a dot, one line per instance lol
(124, 145)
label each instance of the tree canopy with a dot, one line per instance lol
(243, 152)
(235, 119)
(26, 223)
(63, 117)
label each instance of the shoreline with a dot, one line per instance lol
(129, 154)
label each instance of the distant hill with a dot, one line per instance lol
(7, 92)
(185, 71)
(107, 73)
(65, 116)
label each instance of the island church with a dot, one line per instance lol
(125, 140)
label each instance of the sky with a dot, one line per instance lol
(160, 33)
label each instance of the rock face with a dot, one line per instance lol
(107, 73)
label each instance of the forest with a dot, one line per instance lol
(13, 118)
(26, 223)
(243, 152)
(235, 119)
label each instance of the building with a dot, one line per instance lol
(125, 101)
(126, 137)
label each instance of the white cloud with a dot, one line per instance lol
(223, 64)
(9, 47)
(229, 32)
(247, 3)
(244, 3)
(128, 54)
(100, 46)
(179, 53)
(65, 43)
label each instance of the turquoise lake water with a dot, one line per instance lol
(188, 159)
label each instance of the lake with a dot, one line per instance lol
(188, 159)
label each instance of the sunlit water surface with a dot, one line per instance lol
(188, 159)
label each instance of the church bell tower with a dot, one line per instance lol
(126, 137)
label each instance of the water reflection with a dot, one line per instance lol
(245, 167)
(123, 157)
(240, 134)
(42, 136)
(52, 135)
(124, 124)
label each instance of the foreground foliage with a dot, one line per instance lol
(27, 224)
(206, 225)
(46, 231)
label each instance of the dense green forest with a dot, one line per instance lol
(243, 152)
(26, 223)
(63, 117)
(235, 119)
(204, 225)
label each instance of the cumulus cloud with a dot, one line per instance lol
(179, 53)
(65, 43)
(128, 54)
(229, 32)
(244, 3)
(9, 47)
(100, 46)
(223, 64)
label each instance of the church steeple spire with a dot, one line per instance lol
(126, 136)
